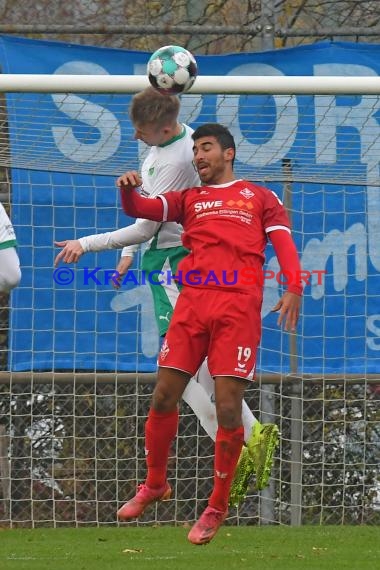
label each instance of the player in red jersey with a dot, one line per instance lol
(226, 225)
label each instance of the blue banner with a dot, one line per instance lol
(85, 324)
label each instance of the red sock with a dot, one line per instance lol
(228, 446)
(160, 430)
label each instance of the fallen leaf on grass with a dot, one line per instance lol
(133, 550)
(318, 549)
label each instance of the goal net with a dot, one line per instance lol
(78, 358)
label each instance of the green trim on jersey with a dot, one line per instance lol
(9, 243)
(153, 244)
(174, 139)
(165, 260)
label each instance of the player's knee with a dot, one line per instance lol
(169, 389)
(163, 399)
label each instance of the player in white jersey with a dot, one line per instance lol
(168, 165)
(10, 273)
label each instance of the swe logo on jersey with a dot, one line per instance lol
(207, 205)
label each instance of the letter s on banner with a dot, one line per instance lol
(89, 113)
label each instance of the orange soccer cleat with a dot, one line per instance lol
(207, 526)
(143, 498)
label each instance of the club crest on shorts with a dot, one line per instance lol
(164, 350)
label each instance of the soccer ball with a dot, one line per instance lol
(172, 69)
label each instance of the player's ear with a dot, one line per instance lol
(229, 154)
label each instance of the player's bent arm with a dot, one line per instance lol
(129, 178)
(136, 206)
(177, 175)
(165, 208)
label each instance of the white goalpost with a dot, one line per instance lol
(77, 358)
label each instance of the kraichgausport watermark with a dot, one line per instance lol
(246, 276)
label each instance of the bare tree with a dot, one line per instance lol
(206, 27)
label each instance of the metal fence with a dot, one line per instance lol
(77, 452)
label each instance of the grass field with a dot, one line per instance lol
(167, 548)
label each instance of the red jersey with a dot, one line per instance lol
(225, 230)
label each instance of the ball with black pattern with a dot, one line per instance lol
(172, 70)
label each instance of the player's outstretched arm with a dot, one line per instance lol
(72, 250)
(70, 253)
(139, 232)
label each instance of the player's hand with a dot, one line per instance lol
(289, 307)
(121, 270)
(130, 179)
(71, 252)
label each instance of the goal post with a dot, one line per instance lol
(78, 359)
(256, 85)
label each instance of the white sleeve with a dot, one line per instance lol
(139, 232)
(129, 250)
(10, 273)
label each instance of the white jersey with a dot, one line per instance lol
(7, 233)
(166, 167)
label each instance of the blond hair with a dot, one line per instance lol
(150, 107)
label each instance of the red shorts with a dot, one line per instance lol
(225, 326)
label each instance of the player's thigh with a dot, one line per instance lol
(186, 343)
(235, 336)
(169, 388)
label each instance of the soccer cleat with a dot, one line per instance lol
(245, 470)
(207, 526)
(261, 446)
(144, 497)
(255, 459)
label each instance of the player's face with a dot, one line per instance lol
(212, 162)
(149, 134)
